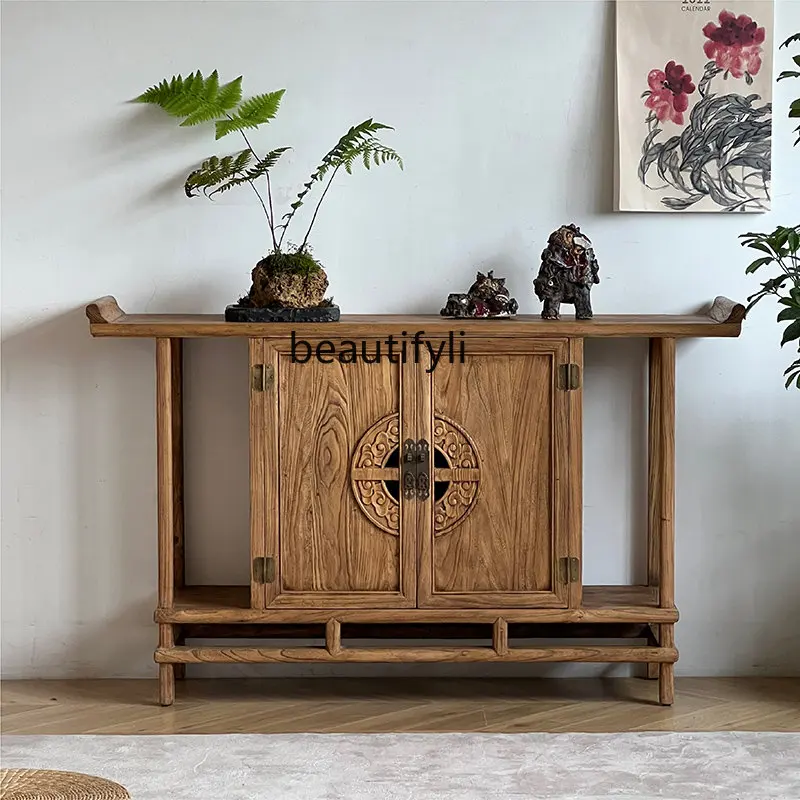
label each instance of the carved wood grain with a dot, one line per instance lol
(723, 310)
(166, 671)
(463, 475)
(169, 447)
(361, 326)
(500, 636)
(231, 604)
(104, 311)
(263, 475)
(570, 472)
(331, 554)
(504, 552)
(368, 473)
(372, 655)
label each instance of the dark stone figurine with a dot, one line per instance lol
(568, 271)
(487, 297)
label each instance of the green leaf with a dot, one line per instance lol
(793, 371)
(211, 86)
(230, 94)
(788, 74)
(759, 262)
(358, 143)
(214, 171)
(261, 167)
(791, 333)
(251, 113)
(759, 246)
(789, 313)
(795, 37)
(194, 98)
(775, 283)
(781, 239)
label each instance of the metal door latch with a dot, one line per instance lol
(415, 469)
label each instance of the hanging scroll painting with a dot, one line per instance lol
(694, 105)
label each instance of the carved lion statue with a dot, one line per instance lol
(568, 272)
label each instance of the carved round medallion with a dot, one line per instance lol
(375, 474)
(461, 477)
(375, 465)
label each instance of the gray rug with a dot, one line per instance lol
(460, 766)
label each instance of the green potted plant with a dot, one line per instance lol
(288, 283)
(781, 251)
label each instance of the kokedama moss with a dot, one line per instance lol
(294, 280)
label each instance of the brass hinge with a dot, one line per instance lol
(264, 569)
(569, 377)
(262, 377)
(570, 569)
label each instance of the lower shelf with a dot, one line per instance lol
(231, 604)
(253, 655)
(417, 636)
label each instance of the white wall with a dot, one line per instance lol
(504, 114)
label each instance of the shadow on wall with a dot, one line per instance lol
(739, 585)
(77, 499)
(79, 567)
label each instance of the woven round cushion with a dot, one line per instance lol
(45, 784)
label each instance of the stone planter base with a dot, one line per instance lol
(237, 313)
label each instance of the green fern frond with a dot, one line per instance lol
(261, 167)
(355, 139)
(251, 113)
(214, 171)
(195, 98)
(230, 94)
(370, 152)
(359, 141)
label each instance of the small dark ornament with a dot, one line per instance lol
(568, 271)
(487, 297)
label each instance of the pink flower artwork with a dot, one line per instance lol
(735, 44)
(669, 92)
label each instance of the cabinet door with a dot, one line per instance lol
(505, 508)
(333, 518)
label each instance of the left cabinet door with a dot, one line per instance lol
(327, 519)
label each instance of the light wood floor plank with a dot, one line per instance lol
(345, 705)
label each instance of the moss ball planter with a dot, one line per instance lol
(286, 287)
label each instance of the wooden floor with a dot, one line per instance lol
(345, 705)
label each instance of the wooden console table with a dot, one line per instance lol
(393, 500)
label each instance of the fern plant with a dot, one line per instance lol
(196, 99)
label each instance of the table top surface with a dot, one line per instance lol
(107, 319)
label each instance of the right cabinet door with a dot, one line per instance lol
(501, 527)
